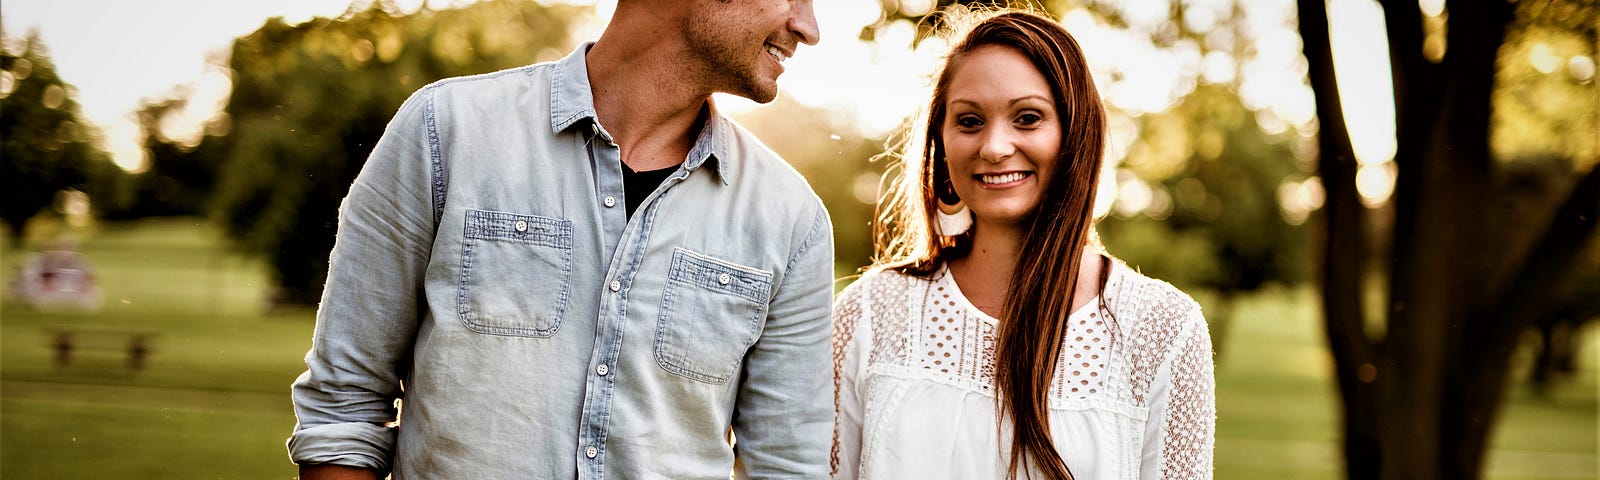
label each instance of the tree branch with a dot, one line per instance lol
(1547, 260)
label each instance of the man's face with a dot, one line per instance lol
(738, 46)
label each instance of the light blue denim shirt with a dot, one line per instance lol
(486, 272)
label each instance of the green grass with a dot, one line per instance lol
(213, 399)
(1277, 407)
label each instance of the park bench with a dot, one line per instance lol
(68, 341)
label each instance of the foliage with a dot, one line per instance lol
(45, 144)
(310, 100)
(1546, 97)
(1219, 226)
(179, 176)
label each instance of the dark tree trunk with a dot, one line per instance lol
(1343, 255)
(1419, 402)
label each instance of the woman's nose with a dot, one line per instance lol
(998, 145)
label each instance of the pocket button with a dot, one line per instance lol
(522, 225)
(724, 279)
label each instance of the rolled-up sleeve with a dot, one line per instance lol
(368, 316)
(784, 417)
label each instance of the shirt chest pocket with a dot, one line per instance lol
(515, 273)
(711, 313)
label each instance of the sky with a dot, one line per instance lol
(117, 53)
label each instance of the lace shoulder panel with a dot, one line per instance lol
(1153, 315)
(878, 302)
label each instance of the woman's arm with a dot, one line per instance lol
(1189, 410)
(848, 353)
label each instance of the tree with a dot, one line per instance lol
(180, 173)
(45, 145)
(1419, 398)
(309, 101)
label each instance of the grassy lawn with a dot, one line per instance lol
(1277, 408)
(212, 400)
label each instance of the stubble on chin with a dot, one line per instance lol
(719, 67)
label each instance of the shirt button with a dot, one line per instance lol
(610, 201)
(591, 452)
(616, 285)
(602, 370)
(522, 225)
(724, 279)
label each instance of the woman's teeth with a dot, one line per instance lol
(999, 179)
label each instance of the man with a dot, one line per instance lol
(579, 269)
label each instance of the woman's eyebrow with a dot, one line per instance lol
(1010, 103)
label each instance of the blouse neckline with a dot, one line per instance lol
(948, 281)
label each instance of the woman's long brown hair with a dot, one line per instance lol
(1034, 319)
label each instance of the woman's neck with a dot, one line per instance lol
(985, 274)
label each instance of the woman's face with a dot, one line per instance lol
(1001, 134)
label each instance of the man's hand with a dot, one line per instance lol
(335, 472)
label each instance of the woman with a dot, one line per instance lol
(986, 343)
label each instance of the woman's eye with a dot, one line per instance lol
(968, 121)
(1029, 119)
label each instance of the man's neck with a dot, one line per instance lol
(644, 99)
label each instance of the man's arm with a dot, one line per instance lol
(784, 417)
(367, 320)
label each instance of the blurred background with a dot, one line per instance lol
(1387, 209)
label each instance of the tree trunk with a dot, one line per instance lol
(1419, 403)
(1343, 255)
(1485, 364)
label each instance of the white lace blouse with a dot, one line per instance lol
(914, 383)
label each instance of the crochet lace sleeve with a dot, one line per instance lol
(1190, 417)
(847, 357)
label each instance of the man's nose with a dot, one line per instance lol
(804, 23)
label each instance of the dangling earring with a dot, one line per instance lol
(954, 218)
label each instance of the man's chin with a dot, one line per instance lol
(765, 93)
(764, 97)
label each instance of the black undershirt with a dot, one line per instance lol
(638, 185)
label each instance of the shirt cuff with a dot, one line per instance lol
(356, 444)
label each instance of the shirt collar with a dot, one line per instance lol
(572, 103)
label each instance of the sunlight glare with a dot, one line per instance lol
(1581, 67)
(1543, 58)
(1361, 66)
(1375, 183)
(1432, 8)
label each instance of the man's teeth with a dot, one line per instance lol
(776, 53)
(999, 179)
